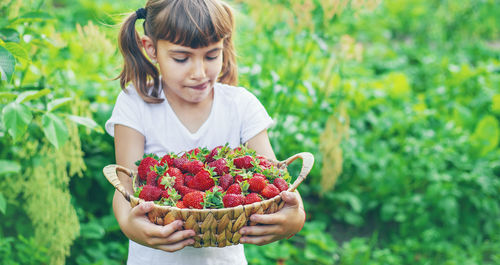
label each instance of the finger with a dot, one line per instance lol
(259, 230)
(172, 239)
(142, 208)
(153, 230)
(177, 246)
(257, 240)
(268, 219)
(290, 198)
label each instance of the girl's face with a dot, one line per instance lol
(189, 74)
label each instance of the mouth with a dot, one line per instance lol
(201, 86)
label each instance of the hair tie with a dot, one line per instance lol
(141, 13)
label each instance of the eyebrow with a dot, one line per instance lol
(188, 52)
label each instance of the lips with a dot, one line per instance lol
(201, 86)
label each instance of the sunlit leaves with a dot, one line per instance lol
(7, 63)
(16, 118)
(486, 135)
(55, 129)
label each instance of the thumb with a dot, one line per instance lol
(290, 198)
(142, 208)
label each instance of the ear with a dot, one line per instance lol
(149, 47)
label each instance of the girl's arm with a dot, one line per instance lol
(129, 147)
(284, 223)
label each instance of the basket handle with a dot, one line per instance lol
(307, 164)
(110, 172)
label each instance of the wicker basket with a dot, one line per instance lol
(214, 227)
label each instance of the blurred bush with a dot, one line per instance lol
(398, 100)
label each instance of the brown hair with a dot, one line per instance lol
(192, 23)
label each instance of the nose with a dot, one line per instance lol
(198, 70)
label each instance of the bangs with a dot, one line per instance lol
(192, 23)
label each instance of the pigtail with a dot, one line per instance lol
(136, 67)
(229, 72)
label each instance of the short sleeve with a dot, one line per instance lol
(126, 112)
(255, 118)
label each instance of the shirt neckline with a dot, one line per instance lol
(205, 124)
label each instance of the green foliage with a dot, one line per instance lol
(415, 85)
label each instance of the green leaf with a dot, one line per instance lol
(8, 166)
(6, 97)
(486, 135)
(9, 35)
(34, 16)
(31, 95)
(87, 122)
(17, 50)
(92, 230)
(16, 118)
(7, 64)
(57, 103)
(55, 129)
(3, 204)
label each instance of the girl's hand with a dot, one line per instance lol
(169, 238)
(284, 223)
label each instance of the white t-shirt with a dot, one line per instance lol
(236, 116)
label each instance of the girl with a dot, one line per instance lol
(181, 97)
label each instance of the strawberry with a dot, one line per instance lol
(201, 181)
(179, 181)
(167, 159)
(193, 166)
(187, 178)
(194, 199)
(166, 181)
(164, 194)
(264, 162)
(145, 167)
(220, 166)
(238, 178)
(231, 200)
(183, 190)
(151, 178)
(257, 182)
(244, 162)
(180, 204)
(210, 157)
(150, 193)
(173, 172)
(252, 197)
(179, 162)
(216, 187)
(270, 191)
(234, 189)
(225, 181)
(280, 184)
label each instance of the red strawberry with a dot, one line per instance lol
(164, 194)
(220, 166)
(194, 199)
(150, 193)
(179, 181)
(257, 182)
(219, 188)
(145, 167)
(192, 152)
(225, 181)
(151, 178)
(231, 200)
(166, 181)
(252, 197)
(201, 181)
(179, 162)
(193, 166)
(187, 178)
(210, 157)
(270, 191)
(238, 178)
(280, 184)
(167, 159)
(243, 162)
(264, 163)
(183, 190)
(180, 204)
(234, 189)
(173, 172)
